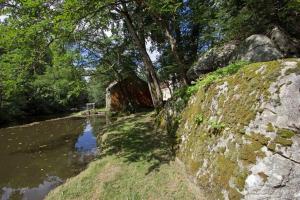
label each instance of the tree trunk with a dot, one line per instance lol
(172, 41)
(194, 42)
(174, 48)
(153, 82)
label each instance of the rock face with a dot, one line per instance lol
(130, 93)
(257, 48)
(240, 135)
(213, 59)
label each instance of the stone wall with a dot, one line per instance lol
(240, 135)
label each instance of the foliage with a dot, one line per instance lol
(41, 38)
(206, 80)
(38, 73)
(58, 89)
(199, 119)
(216, 127)
(240, 19)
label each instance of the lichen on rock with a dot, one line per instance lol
(256, 151)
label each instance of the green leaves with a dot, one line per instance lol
(164, 6)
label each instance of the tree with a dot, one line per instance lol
(33, 70)
(78, 12)
(240, 19)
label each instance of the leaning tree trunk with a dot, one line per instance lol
(153, 82)
(173, 43)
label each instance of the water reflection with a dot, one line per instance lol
(36, 158)
(38, 192)
(87, 141)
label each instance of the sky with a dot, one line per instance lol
(2, 17)
(153, 54)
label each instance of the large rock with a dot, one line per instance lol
(287, 45)
(257, 48)
(240, 135)
(213, 59)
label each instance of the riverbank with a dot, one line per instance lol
(137, 162)
(33, 120)
(84, 113)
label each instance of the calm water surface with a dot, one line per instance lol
(37, 158)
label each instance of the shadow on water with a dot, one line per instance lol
(37, 158)
(139, 141)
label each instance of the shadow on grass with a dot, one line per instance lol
(137, 139)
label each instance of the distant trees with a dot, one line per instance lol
(38, 74)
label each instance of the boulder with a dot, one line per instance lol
(286, 44)
(213, 59)
(257, 48)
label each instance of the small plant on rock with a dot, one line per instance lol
(199, 119)
(216, 127)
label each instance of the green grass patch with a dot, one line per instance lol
(206, 80)
(137, 162)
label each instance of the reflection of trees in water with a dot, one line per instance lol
(38, 192)
(46, 148)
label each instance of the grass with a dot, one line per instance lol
(82, 113)
(137, 162)
(207, 79)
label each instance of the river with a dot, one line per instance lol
(38, 157)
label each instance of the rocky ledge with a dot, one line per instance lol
(240, 135)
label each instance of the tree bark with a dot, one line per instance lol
(153, 82)
(194, 42)
(175, 51)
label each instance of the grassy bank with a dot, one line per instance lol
(137, 162)
(92, 112)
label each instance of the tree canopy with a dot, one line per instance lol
(47, 47)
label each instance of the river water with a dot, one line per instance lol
(38, 157)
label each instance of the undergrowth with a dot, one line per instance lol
(206, 80)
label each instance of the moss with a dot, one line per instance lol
(285, 133)
(222, 150)
(224, 168)
(194, 166)
(283, 141)
(241, 179)
(272, 146)
(283, 138)
(263, 140)
(263, 176)
(293, 70)
(234, 194)
(270, 128)
(210, 78)
(249, 152)
(235, 108)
